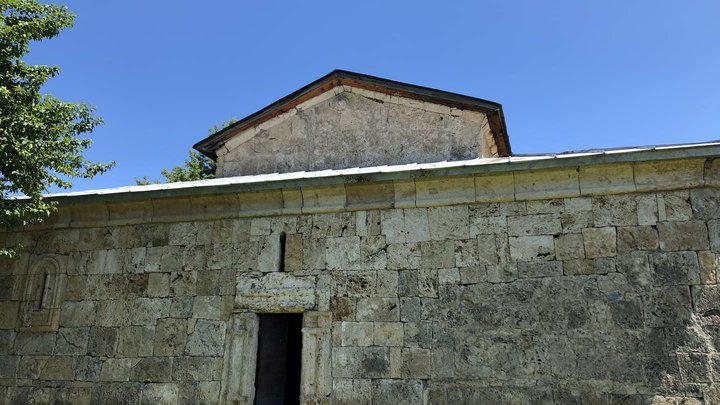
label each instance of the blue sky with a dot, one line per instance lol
(570, 74)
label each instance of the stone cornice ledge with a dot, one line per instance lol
(421, 191)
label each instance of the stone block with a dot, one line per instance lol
(387, 284)
(208, 392)
(543, 184)
(388, 334)
(32, 343)
(578, 267)
(275, 290)
(398, 392)
(486, 225)
(705, 204)
(152, 369)
(404, 193)
(668, 306)
(348, 391)
(183, 283)
(343, 309)
(449, 222)
(72, 341)
(532, 248)
(88, 368)
(708, 267)
(575, 222)
(8, 366)
(690, 235)
(647, 209)
(416, 226)
(370, 195)
(472, 275)
(194, 368)
(540, 224)
(674, 206)
(206, 339)
(569, 246)
(403, 256)
(293, 252)
(378, 309)
(77, 313)
(160, 394)
(502, 273)
(343, 253)
(102, 341)
(170, 337)
(549, 206)
(706, 299)
(418, 334)
(600, 242)
(428, 283)
(416, 363)
(686, 173)
(448, 276)
(181, 307)
(323, 198)
(367, 223)
(116, 393)
(116, 369)
(488, 249)
(136, 341)
(146, 311)
(695, 367)
(373, 252)
(540, 269)
(356, 333)
(615, 210)
(210, 307)
(158, 285)
(626, 314)
(437, 254)
(58, 368)
(410, 309)
(444, 190)
(636, 268)
(675, 268)
(360, 362)
(631, 238)
(495, 188)
(606, 179)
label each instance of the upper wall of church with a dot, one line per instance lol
(350, 127)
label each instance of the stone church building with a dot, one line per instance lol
(373, 242)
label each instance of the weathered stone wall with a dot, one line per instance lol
(592, 299)
(350, 127)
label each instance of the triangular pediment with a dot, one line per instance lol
(349, 120)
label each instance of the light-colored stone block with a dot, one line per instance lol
(668, 175)
(443, 191)
(495, 188)
(606, 179)
(542, 184)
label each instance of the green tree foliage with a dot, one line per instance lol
(196, 167)
(40, 143)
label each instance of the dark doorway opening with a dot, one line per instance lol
(277, 378)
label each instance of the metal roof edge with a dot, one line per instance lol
(385, 173)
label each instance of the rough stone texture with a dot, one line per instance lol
(601, 299)
(351, 129)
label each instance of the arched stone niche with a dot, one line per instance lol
(42, 296)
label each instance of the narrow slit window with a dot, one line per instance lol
(283, 239)
(277, 378)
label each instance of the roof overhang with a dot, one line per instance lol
(492, 110)
(480, 166)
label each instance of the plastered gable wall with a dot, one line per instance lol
(603, 298)
(349, 127)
